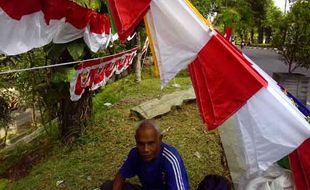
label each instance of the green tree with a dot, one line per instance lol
(274, 16)
(207, 7)
(293, 37)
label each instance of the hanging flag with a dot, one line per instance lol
(34, 23)
(95, 73)
(127, 15)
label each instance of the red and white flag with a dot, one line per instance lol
(31, 24)
(127, 15)
(95, 73)
(226, 83)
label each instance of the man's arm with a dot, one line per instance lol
(118, 182)
(176, 174)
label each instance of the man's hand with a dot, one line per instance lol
(118, 182)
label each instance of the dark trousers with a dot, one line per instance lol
(108, 185)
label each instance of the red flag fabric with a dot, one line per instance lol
(300, 166)
(127, 15)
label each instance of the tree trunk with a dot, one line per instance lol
(33, 114)
(6, 128)
(260, 34)
(74, 116)
(252, 35)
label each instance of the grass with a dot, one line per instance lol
(100, 151)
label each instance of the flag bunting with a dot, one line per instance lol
(95, 73)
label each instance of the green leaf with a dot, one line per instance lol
(76, 50)
(63, 74)
(54, 50)
(93, 4)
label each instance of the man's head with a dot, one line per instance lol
(148, 139)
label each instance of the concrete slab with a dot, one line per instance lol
(157, 107)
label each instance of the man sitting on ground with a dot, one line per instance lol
(158, 165)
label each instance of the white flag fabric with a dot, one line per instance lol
(177, 34)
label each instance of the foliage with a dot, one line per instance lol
(271, 21)
(207, 7)
(93, 4)
(293, 37)
(229, 17)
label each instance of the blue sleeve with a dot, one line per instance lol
(176, 176)
(128, 168)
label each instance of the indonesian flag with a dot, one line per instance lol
(27, 24)
(225, 82)
(95, 73)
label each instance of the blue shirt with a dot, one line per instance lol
(166, 171)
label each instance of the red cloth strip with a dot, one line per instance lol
(300, 166)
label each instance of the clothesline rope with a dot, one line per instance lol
(57, 65)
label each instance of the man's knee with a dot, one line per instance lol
(108, 185)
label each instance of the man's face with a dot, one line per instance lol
(148, 143)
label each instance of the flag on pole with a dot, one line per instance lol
(29, 24)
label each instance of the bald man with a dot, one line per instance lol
(158, 165)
